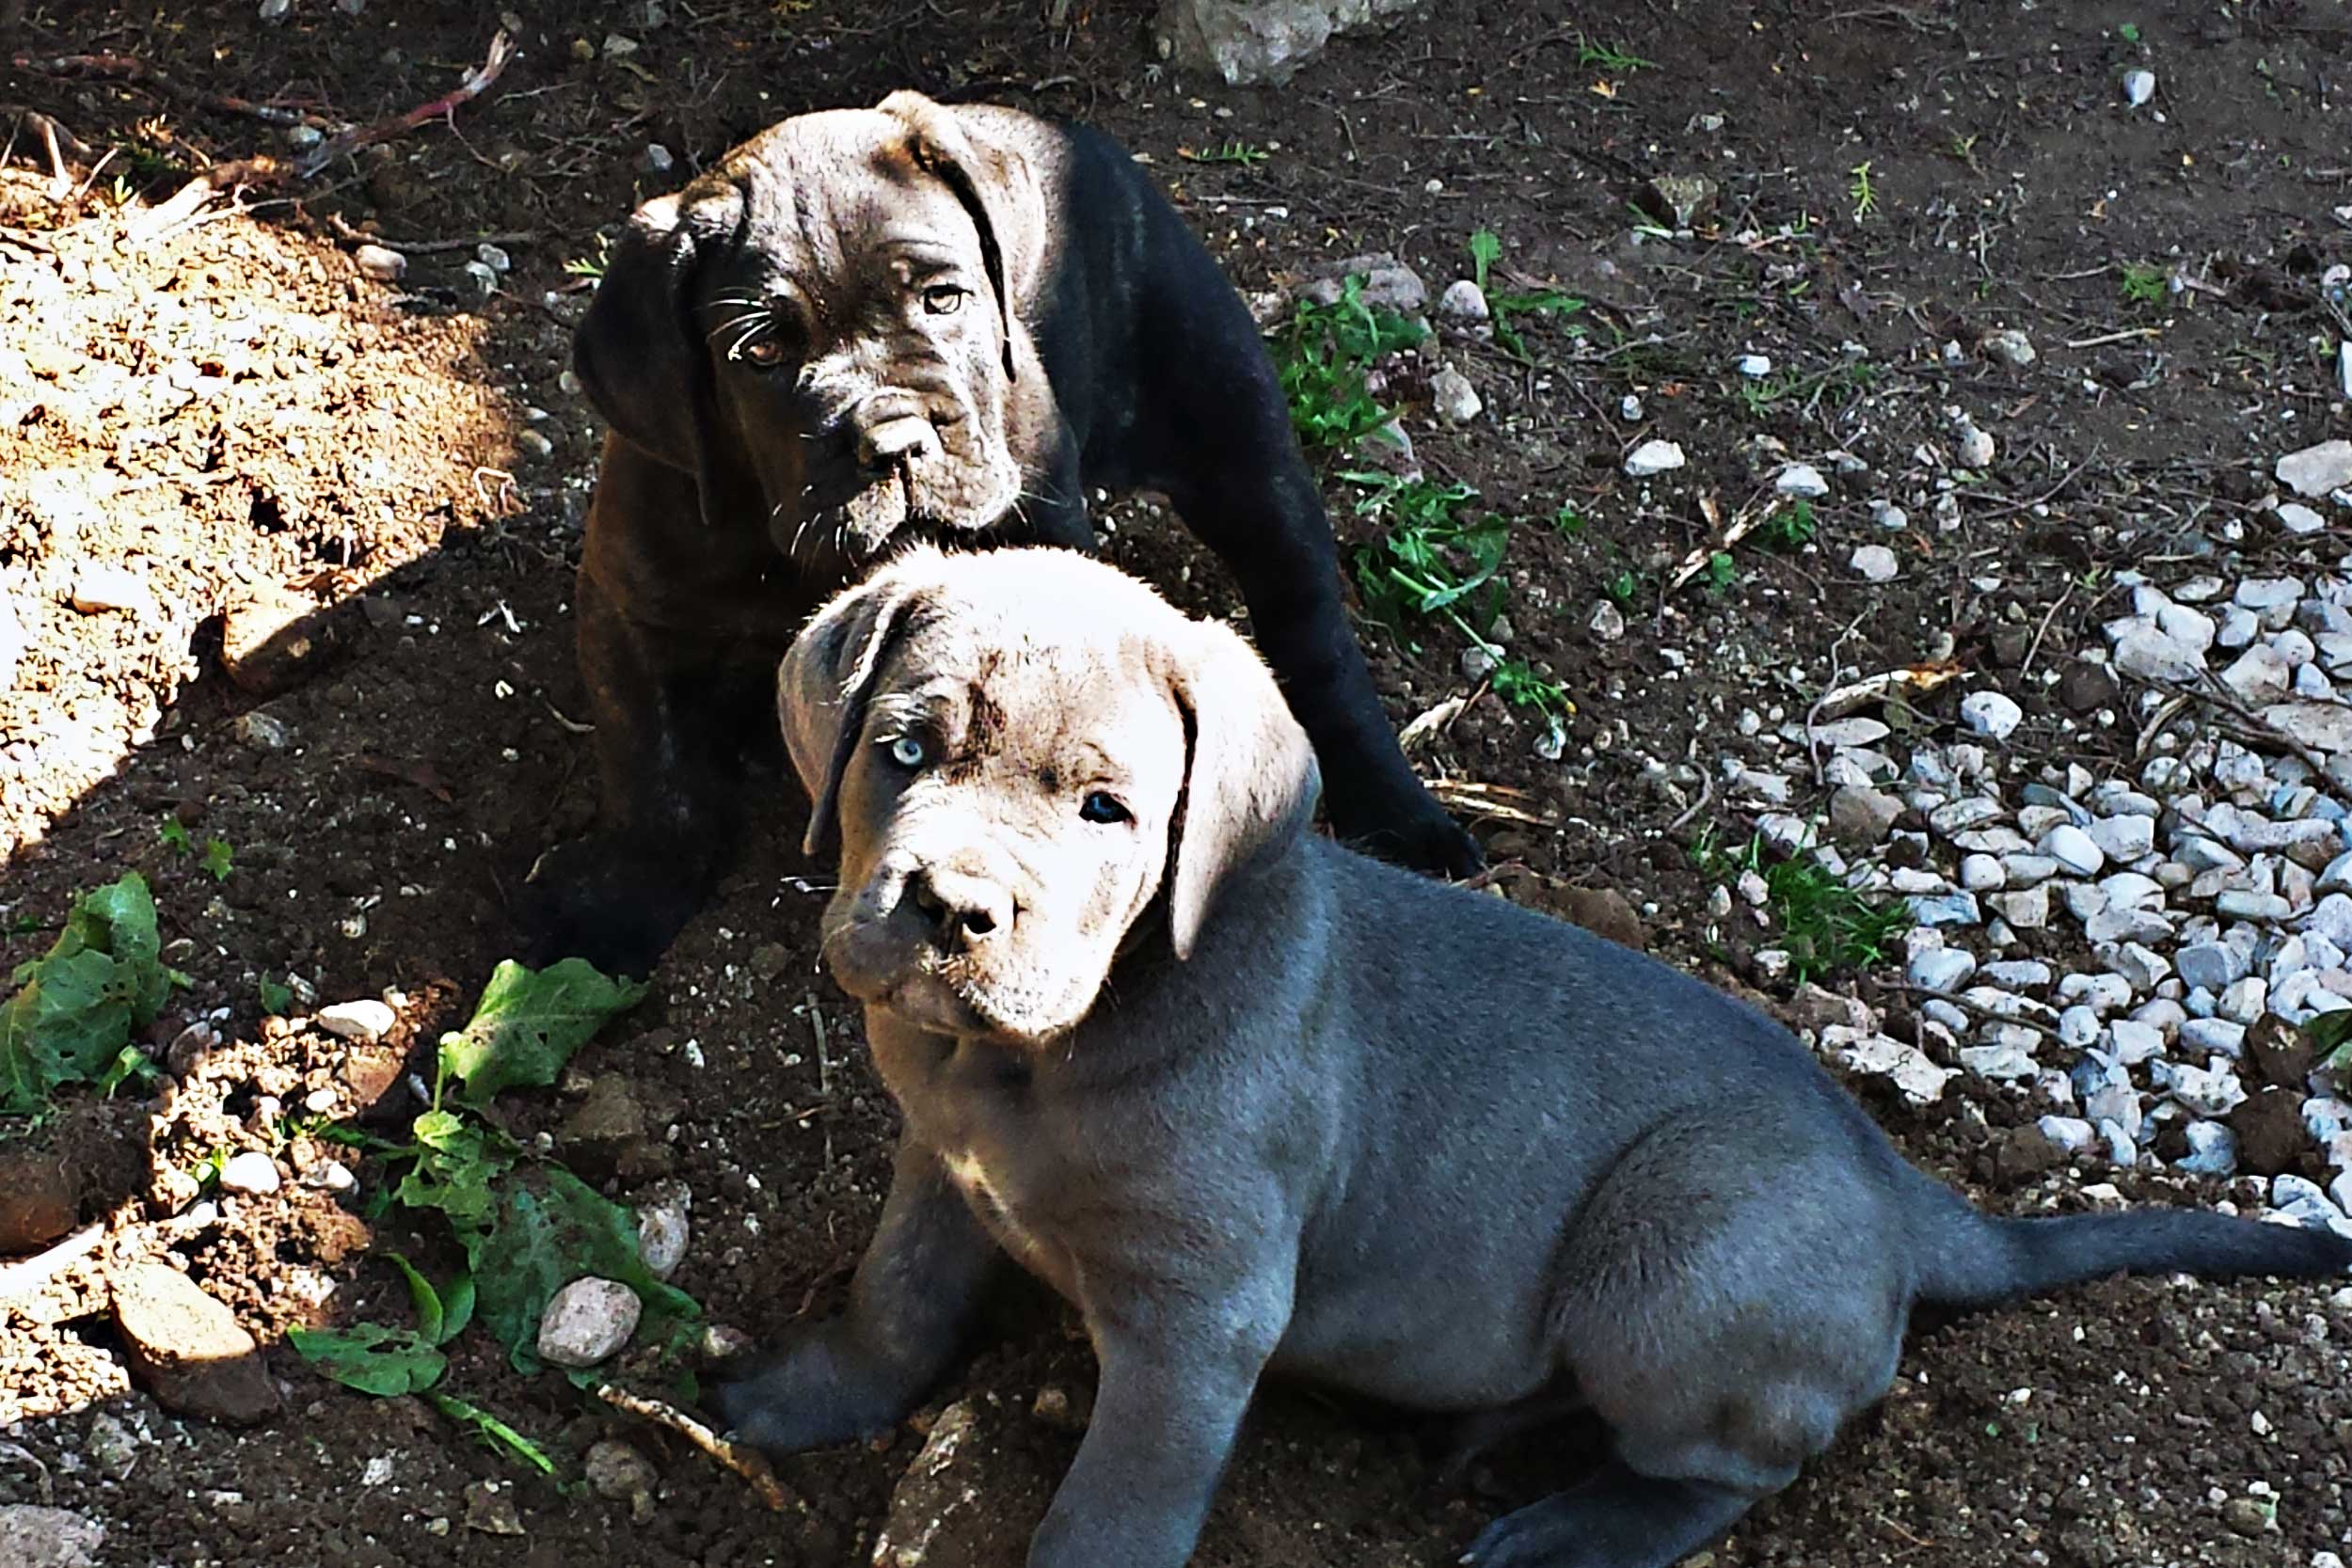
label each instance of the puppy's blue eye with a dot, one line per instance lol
(908, 750)
(1099, 807)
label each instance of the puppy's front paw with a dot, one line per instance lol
(807, 1398)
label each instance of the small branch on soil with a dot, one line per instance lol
(747, 1462)
(2220, 696)
(1992, 1015)
(267, 170)
(426, 247)
(23, 1279)
(125, 68)
(824, 1068)
(2123, 336)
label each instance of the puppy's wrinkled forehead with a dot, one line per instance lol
(828, 185)
(1043, 690)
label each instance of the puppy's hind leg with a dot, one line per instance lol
(1734, 1290)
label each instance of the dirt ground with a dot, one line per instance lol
(236, 408)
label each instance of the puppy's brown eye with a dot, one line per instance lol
(761, 353)
(945, 299)
(1099, 807)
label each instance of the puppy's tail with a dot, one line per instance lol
(1982, 1260)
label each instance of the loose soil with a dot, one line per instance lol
(236, 408)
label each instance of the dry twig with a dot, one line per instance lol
(747, 1462)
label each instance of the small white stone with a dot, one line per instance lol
(2123, 838)
(1653, 457)
(2297, 518)
(365, 1020)
(1607, 623)
(1976, 448)
(1941, 968)
(1756, 367)
(2139, 86)
(1456, 400)
(2073, 849)
(252, 1173)
(374, 260)
(1875, 563)
(587, 1321)
(1983, 873)
(1991, 714)
(664, 1228)
(2317, 470)
(100, 586)
(1803, 480)
(1463, 301)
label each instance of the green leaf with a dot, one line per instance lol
(217, 856)
(371, 1358)
(551, 1228)
(528, 1024)
(497, 1434)
(77, 1006)
(175, 835)
(456, 1308)
(2332, 1032)
(1485, 248)
(276, 998)
(427, 1301)
(456, 1162)
(129, 1063)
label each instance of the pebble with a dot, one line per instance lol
(588, 1320)
(2070, 1134)
(1803, 480)
(1862, 815)
(2317, 470)
(2073, 849)
(1992, 715)
(2010, 347)
(2297, 518)
(664, 1228)
(1949, 909)
(2213, 1036)
(2123, 838)
(657, 160)
(1456, 400)
(2209, 1092)
(2243, 904)
(1975, 448)
(1463, 301)
(1756, 367)
(362, 1023)
(377, 261)
(1983, 873)
(1917, 1078)
(618, 1473)
(1653, 457)
(2213, 966)
(2002, 1064)
(252, 1173)
(2139, 86)
(2212, 1149)
(1941, 968)
(262, 732)
(2025, 909)
(33, 1536)
(2146, 653)
(1875, 563)
(1607, 623)
(274, 11)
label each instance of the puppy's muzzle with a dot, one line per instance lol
(895, 431)
(922, 935)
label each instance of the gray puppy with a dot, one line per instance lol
(1254, 1102)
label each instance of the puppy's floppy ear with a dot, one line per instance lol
(639, 352)
(1250, 779)
(827, 676)
(995, 183)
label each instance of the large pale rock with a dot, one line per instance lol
(188, 1349)
(1251, 42)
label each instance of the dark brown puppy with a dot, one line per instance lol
(910, 321)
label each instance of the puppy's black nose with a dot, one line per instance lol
(960, 909)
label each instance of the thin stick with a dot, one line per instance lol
(1991, 1014)
(426, 247)
(2123, 336)
(125, 68)
(747, 1462)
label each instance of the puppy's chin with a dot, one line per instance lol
(938, 1000)
(963, 500)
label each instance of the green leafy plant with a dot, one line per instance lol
(378, 1359)
(2332, 1032)
(1485, 248)
(1825, 925)
(2128, 32)
(1623, 585)
(1568, 523)
(219, 859)
(174, 834)
(527, 1024)
(2145, 285)
(591, 267)
(1723, 573)
(129, 1063)
(1322, 356)
(1861, 191)
(1609, 57)
(1429, 561)
(76, 1007)
(275, 997)
(1791, 527)
(1517, 684)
